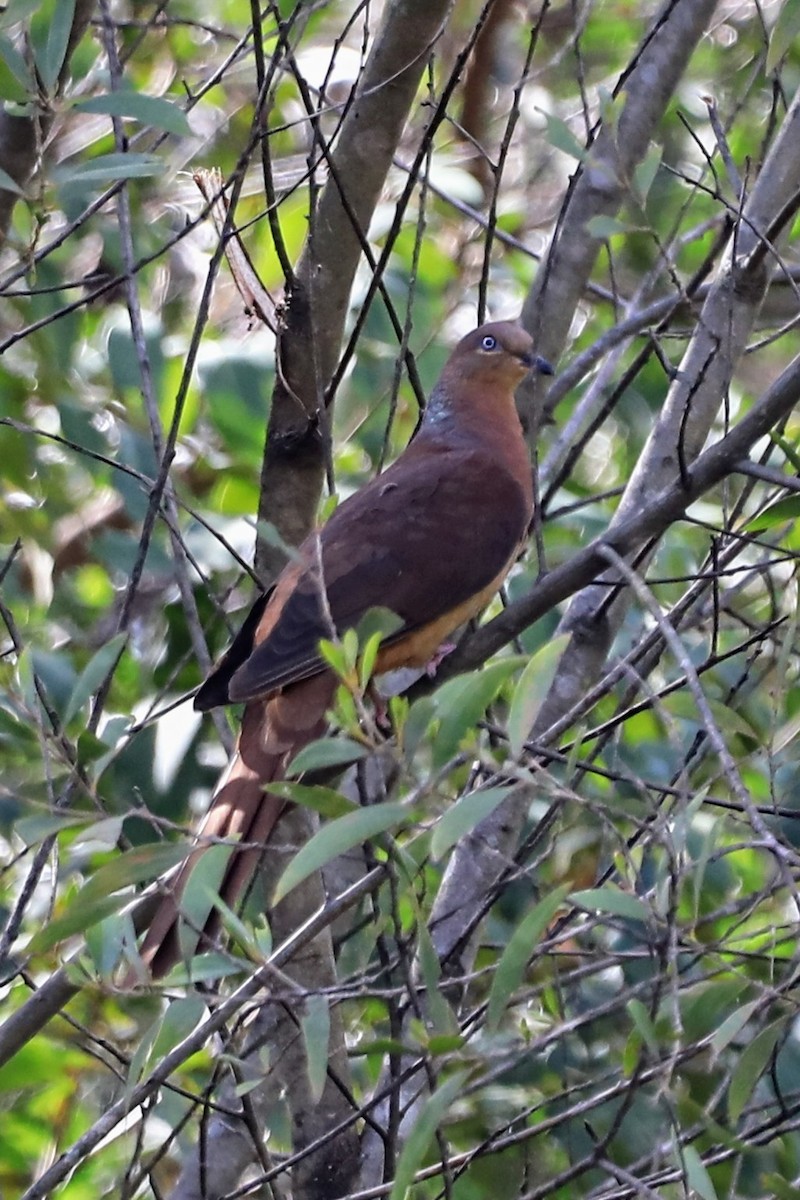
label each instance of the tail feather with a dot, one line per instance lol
(272, 733)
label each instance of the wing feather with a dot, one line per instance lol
(410, 541)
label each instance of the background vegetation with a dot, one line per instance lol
(563, 964)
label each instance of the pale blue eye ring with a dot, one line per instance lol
(489, 343)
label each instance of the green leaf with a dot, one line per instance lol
(530, 692)
(521, 946)
(750, 1068)
(700, 1009)
(7, 184)
(697, 1176)
(606, 227)
(109, 168)
(378, 620)
(200, 895)
(42, 825)
(337, 838)
(562, 138)
(181, 1017)
(646, 171)
(98, 898)
(461, 702)
(16, 11)
(784, 34)
(416, 724)
(462, 817)
(94, 674)
(152, 111)
(777, 1186)
(50, 57)
(316, 1026)
(442, 1018)
(791, 451)
(324, 753)
(133, 866)
(203, 968)
(613, 900)
(732, 1026)
(644, 1024)
(17, 67)
(325, 801)
(786, 734)
(76, 919)
(333, 653)
(776, 514)
(140, 1057)
(368, 658)
(422, 1133)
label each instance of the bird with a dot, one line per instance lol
(431, 538)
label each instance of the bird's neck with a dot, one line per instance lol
(461, 413)
(459, 409)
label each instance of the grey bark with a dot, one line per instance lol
(693, 400)
(317, 304)
(602, 184)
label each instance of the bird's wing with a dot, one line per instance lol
(414, 541)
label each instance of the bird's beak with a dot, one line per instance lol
(536, 363)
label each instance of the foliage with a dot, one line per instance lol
(627, 1026)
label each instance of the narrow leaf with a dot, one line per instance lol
(153, 111)
(424, 1129)
(17, 66)
(325, 801)
(94, 674)
(785, 31)
(368, 657)
(16, 11)
(750, 1068)
(777, 1186)
(378, 620)
(112, 167)
(646, 171)
(324, 753)
(615, 901)
(76, 919)
(732, 1026)
(514, 959)
(316, 1026)
(697, 1176)
(561, 136)
(442, 1018)
(337, 838)
(36, 828)
(200, 895)
(778, 513)
(644, 1024)
(606, 227)
(461, 702)
(141, 1057)
(534, 684)
(132, 866)
(7, 184)
(98, 898)
(462, 817)
(181, 1017)
(50, 59)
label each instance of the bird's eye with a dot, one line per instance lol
(489, 343)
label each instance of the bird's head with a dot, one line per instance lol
(500, 354)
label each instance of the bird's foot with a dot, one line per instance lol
(380, 709)
(441, 654)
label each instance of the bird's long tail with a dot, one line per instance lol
(242, 812)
